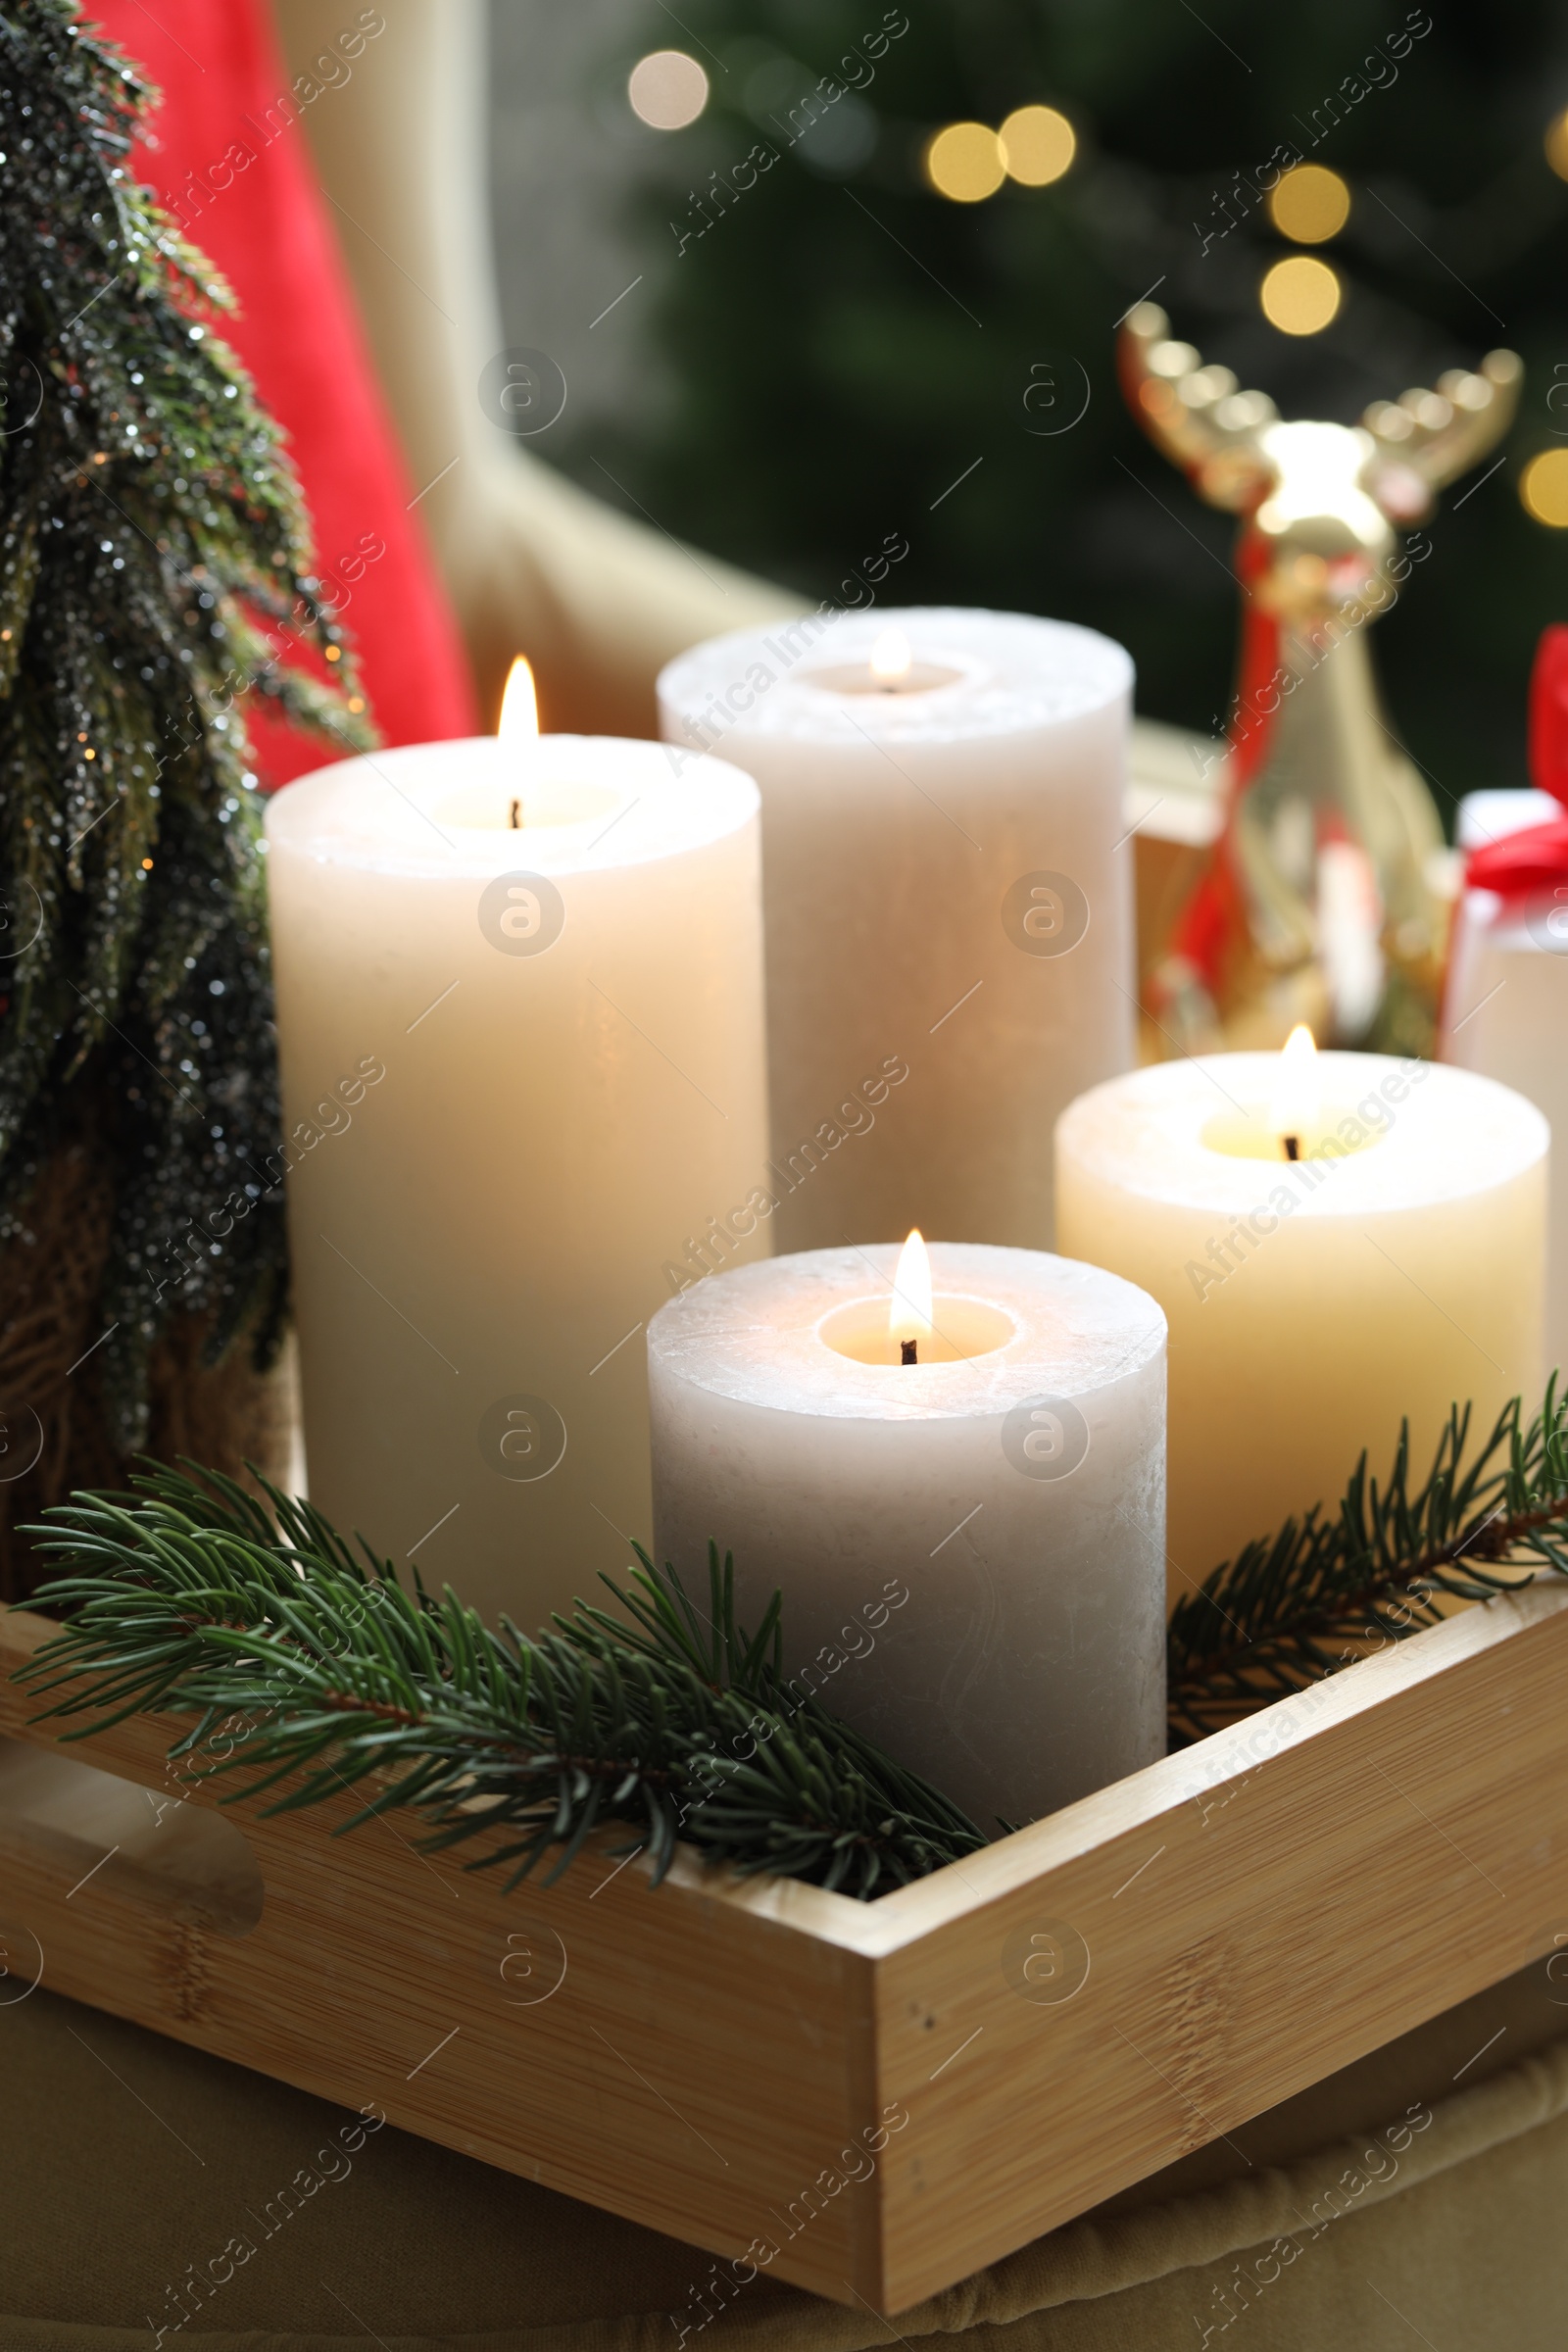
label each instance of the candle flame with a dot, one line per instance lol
(910, 1314)
(519, 706)
(891, 658)
(1296, 1086)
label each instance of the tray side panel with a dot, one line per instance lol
(674, 2057)
(1362, 1868)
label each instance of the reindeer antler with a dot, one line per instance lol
(1195, 413)
(1425, 439)
(1199, 418)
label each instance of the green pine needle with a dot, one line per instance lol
(1323, 1593)
(308, 1670)
(190, 1596)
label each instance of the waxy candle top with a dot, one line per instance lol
(793, 1333)
(968, 673)
(1209, 1132)
(588, 802)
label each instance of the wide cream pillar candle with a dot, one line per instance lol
(947, 894)
(519, 1006)
(1395, 1268)
(970, 1547)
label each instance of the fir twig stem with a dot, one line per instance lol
(190, 1596)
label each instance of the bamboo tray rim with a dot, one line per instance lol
(1124, 1808)
(894, 1922)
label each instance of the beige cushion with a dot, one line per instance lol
(129, 2163)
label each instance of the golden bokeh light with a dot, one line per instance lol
(1038, 144)
(668, 90)
(1309, 205)
(1544, 489)
(1556, 144)
(965, 163)
(1300, 296)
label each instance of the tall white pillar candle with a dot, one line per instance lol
(948, 898)
(970, 1547)
(1505, 1009)
(522, 1065)
(1395, 1269)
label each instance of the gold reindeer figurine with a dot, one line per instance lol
(1324, 901)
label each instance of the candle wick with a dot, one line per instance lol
(1292, 1147)
(909, 1351)
(516, 817)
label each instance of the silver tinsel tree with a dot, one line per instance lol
(153, 578)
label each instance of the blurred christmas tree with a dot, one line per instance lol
(837, 349)
(153, 573)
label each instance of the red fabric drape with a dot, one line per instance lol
(227, 154)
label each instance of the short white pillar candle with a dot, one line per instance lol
(970, 1547)
(1395, 1268)
(947, 890)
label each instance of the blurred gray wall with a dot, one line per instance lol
(564, 145)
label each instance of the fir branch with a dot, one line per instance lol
(1325, 1591)
(188, 1597)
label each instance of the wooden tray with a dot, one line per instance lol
(888, 2096)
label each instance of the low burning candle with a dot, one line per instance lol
(520, 1005)
(953, 1466)
(1338, 1241)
